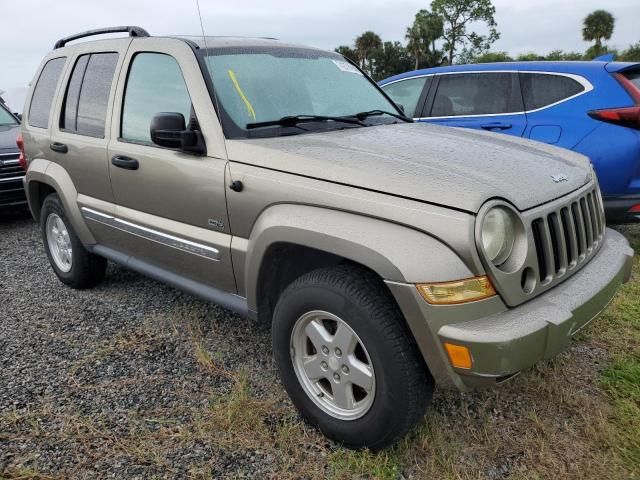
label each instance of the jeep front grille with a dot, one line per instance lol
(568, 236)
(558, 238)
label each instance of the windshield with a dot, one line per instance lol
(6, 118)
(264, 84)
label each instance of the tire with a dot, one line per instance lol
(84, 270)
(401, 384)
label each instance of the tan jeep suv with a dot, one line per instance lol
(280, 182)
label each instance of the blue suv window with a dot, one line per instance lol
(542, 89)
(476, 94)
(407, 93)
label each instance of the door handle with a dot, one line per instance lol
(58, 147)
(496, 126)
(125, 162)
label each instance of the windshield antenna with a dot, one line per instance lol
(206, 63)
(204, 37)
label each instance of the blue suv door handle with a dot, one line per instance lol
(496, 126)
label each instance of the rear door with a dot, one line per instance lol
(482, 100)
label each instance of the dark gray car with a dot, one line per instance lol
(11, 173)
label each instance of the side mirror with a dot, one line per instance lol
(401, 107)
(19, 115)
(168, 129)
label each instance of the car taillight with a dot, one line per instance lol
(625, 116)
(23, 156)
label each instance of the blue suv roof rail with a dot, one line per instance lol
(133, 32)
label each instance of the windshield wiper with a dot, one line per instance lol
(375, 113)
(294, 120)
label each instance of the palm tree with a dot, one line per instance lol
(366, 45)
(598, 26)
(415, 44)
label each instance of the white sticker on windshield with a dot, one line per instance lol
(346, 67)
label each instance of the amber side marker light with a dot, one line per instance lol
(460, 291)
(459, 356)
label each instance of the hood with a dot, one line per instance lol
(8, 136)
(455, 167)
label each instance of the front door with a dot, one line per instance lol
(488, 101)
(170, 205)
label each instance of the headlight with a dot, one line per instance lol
(498, 235)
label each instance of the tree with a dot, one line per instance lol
(631, 54)
(492, 57)
(366, 46)
(414, 44)
(597, 51)
(598, 26)
(390, 60)
(348, 52)
(529, 57)
(431, 28)
(457, 16)
(556, 55)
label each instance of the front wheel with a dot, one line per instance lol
(347, 359)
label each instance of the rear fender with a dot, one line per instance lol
(45, 172)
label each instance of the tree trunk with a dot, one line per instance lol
(452, 49)
(417, 63)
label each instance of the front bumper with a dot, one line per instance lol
(502, 340)
(12, 193)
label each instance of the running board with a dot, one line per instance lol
(230, 301)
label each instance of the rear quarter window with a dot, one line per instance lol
(541, 90)
(44, 92)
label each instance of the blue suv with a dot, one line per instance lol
(589, 107)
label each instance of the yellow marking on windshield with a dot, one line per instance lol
(246, 101)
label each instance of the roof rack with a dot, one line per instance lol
(133, 32)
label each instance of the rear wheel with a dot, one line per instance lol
(347, 359)
(71, 262)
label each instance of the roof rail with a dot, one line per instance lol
(133, 32)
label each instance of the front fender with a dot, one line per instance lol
(396, 253)
(45, 172)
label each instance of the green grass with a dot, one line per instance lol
(621, 379)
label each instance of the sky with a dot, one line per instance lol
(525, 25)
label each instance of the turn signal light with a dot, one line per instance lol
(459, 356)
(459, 291)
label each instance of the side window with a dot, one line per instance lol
(43, 94)
(155, 84)
(541, 89)
(407, 93)
(476, 94)
(87, 98)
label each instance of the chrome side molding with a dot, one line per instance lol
(182, 244)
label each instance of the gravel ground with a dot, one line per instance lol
(134, 379)
(106, 358)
